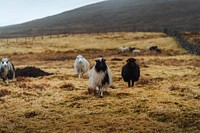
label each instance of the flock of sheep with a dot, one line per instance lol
(100, 76)
(135, 51)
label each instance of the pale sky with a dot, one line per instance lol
(19, 11)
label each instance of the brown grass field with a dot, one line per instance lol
(166, 98)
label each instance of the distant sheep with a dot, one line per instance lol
(130, 72)
(81, 65)
(152, 48)
(124, 49)
(158, 50)
(100, 77)
(7, 70)
(136, 52)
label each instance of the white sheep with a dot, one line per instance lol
(124, 49)
(81, 65)
(7, 70)
(136, 52)
(100, 77)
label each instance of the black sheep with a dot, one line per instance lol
(130, 72)
(152, 48)
(158, 50)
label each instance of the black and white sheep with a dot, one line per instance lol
(125, 49)
(100, 77)
(81, 65)
(130, 72)
(7, 70)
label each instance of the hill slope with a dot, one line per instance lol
(135, 15)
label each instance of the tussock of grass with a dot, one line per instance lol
(176, 88)
(68, 87)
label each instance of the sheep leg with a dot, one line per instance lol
(132, 83)
(5, 80)
(79, 75)
(129, 83)
(97, 90)
(100, 92)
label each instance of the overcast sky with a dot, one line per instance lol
(19, 11)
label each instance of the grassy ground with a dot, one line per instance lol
(166, 99)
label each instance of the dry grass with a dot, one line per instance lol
(166, 99)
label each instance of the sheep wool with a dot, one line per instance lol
(100, 77)
(7, 70)
(81, 65)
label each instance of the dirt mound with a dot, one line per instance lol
(31, 72)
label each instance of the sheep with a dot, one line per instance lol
(7, 70)
(131, 49)
(158, 50)
(124, 49)
(100, 77)
(136, 51)
(130, 72)
(152, 48)
(81, 65)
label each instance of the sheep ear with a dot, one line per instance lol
(104, 60)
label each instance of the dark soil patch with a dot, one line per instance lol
(31, 114)
(31, 72)
(116, 59)
(4, 92)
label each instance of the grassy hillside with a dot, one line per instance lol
(166, 98)
(126, 15)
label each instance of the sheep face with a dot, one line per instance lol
(131, 62)
(4, 62)
(100, 65)
(79, 58)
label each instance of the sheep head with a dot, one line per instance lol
(4, 62)
(79, 58)
(100, 65)
(131, 62)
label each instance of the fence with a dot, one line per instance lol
(191, 48)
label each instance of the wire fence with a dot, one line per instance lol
(188, 46)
